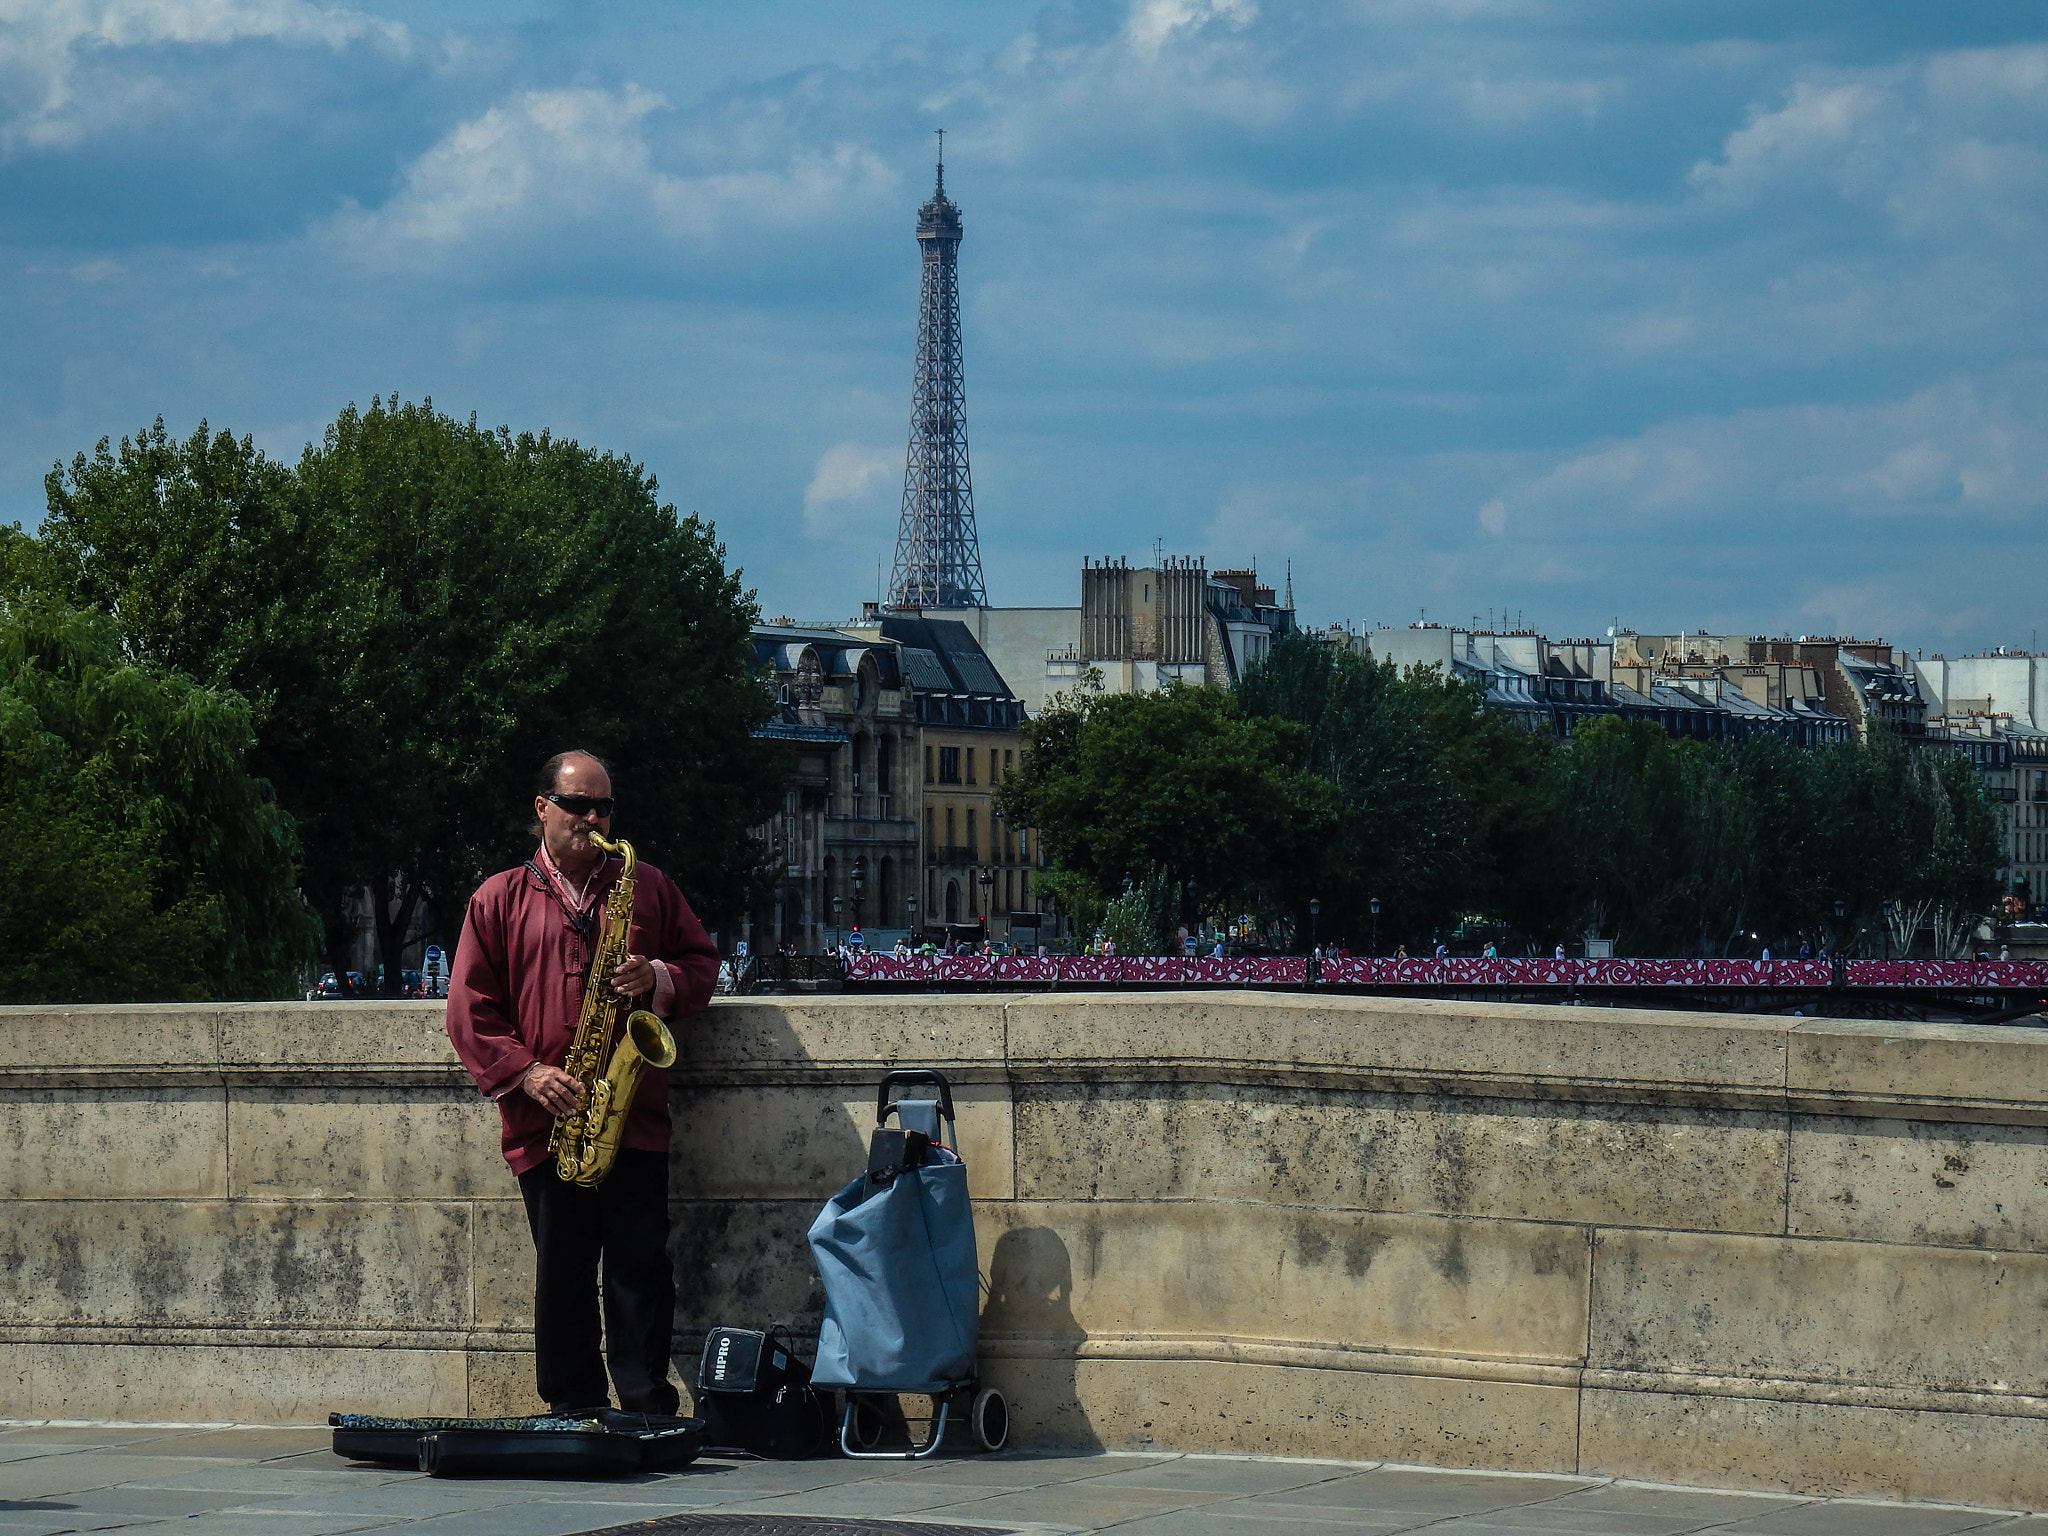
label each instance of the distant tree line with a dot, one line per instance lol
(238, 691)
(1330, 776)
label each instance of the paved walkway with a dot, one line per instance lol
(285, 1482)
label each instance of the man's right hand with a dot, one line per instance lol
(552, 1089)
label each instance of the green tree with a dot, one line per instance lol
(1438, 800)
(1178, 784)
(139, 858)
(422, 609)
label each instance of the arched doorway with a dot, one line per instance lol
(952, 901)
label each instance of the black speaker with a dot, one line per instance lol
(755, 1396)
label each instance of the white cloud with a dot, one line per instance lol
(573, 172)
(1154, 23)
(852, 486)
(44, 43)
(1956, 452)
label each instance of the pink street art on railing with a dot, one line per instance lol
(1285, 970)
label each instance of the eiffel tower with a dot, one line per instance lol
(938, 555)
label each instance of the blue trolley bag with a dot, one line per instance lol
(902, 1284)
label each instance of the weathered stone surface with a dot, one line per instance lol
(502, 1249)
(249, 1386)
(81, 1144)
(1413, 1037)
(749, 1143)
(744, 1263)
(1863, 1314)
(1416, 1284)
(1298, 1224)
(810, 1033)
(1816, 1448)
(1268, 1410)
(501, 1383)
(365, 1144)
(216, 1263)
(87, 1039)
(1548, 1160)
(1950, 1183)
(358, 1035)
(1962, 1063)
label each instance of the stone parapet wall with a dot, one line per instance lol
(1764, 1252)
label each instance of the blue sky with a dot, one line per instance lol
(1724, 316)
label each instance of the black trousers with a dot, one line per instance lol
(624, 1222)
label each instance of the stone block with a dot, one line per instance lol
(1516, 1159)
(501, 1384)
(1965, 1064)
(845, 1034)
(1816, 1448)
(108, 1143)
(744, 1263)
(503, 1248)
(1171, 1405)
(236, 1264)
(1860, 1314)
(285, 1385)
(741, 1142)
(1492, 1291)
(360, 1036)
(365, 1144)
(1416, 1038)
(109, 1036)
(1946, 1182)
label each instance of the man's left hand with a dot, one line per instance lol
(635, 977)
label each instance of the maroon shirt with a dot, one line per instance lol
(516, 991)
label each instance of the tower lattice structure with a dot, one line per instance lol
(938, 554)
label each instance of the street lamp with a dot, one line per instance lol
(1315, 910)
(860, 880)
(837, 901)
(988, 880)
(911, 906)
(1887, 909)
(1375, 927)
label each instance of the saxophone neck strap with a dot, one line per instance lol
(584, 922)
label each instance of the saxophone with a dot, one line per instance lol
(586, 1140)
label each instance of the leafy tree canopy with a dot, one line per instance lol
(420, 611)
(1179, 784)
(139, 858)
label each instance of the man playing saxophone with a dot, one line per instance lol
(515, 996)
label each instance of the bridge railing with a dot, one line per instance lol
(1286, 970)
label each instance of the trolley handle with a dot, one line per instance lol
(913, 1075)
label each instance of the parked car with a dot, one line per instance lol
(327, 986)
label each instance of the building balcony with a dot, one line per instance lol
(954, 853)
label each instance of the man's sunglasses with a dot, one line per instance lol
(581, 805)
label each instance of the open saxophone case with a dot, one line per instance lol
(895, 1250)
(609, 1443)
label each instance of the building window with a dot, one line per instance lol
(972, 844)
(931, 852)
(949, 765)
(970, 765)
(949, 828)
(882, 766)
(1009, 756)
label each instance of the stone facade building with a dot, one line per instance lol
(870, 835)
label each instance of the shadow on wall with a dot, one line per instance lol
(750, 1165)
(1030, 1340)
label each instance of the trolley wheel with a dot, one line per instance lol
(868, 1425)
(990, 1418)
